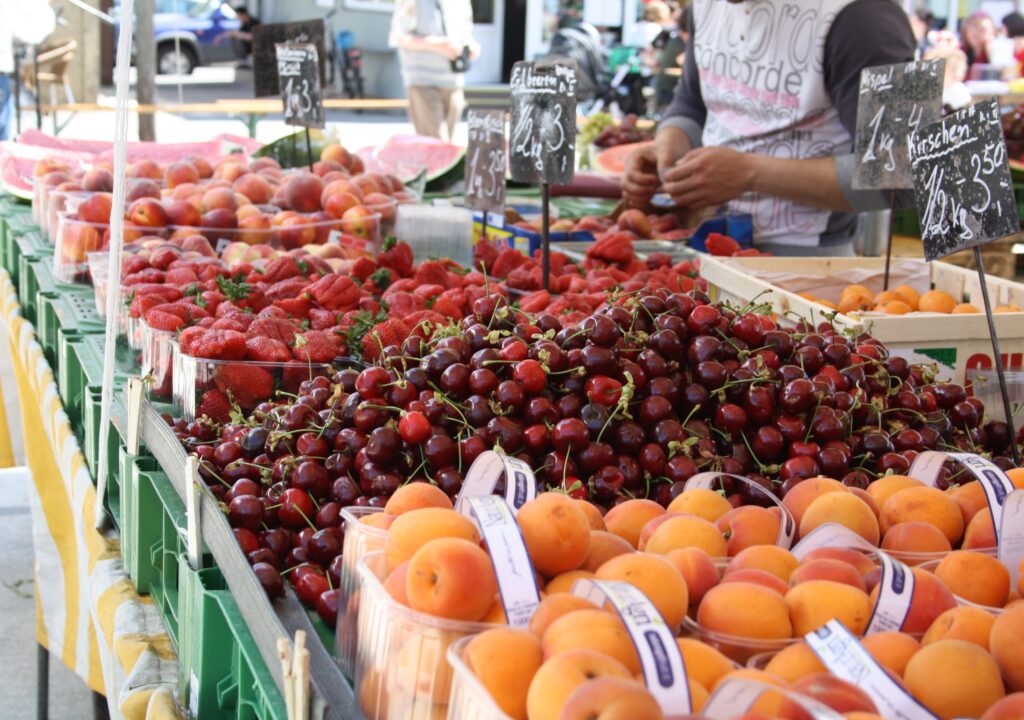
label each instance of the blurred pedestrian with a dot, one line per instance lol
(976, 34)
(241, 39)
(670, 51)
(435, 48)
(1013, 25)
(25, 21)
(656, 18)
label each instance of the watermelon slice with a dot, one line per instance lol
(613, 160)
(406, 156)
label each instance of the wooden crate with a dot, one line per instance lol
(955, 343)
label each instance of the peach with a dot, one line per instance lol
(603, 547)
(840, 695)
(556, 532)
(931, 598)
(337, 204)
(656, 577)
(980, 534)
(414, 529)
(255, 187)
(181, 212)
(145, 169)
(699, 696)
(926, 504)
(553, 607)
(627, 519)
(339, 186)
(254, 229)
(231, 170)
(815, 602)
(746, 610)
(593, 514)
(325, 167)
(563, 583)
(914, 538)
(201, 164)
(748, 526)
(976, 577)
(505, 661)
(794, 662)
(884, 487)
(373, 700)
(417, 495)
(394, 583)
(98, 181)
(859, 560)
(1010, 707)
(597, 630)
(704, 663)
(180, 172)
(302, 192)
(96, 208)
(651, 526)
(686, 531)
(334, 152)
(954, 679)
(451, 578)
(635, 221)
(970, 497)
(845, 509)
(800, 497)
(892, 649)
(556, 679)
(758, 577)
(961, 623)
(771, 558)
(381, 204)
(360, 222)
(610, 698)
(826, 569)
(219, 199)
(1006, 647)
(698, 571)
(702, 502)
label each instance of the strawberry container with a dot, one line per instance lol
(402, 667)
(157, 364)
(469, 699)
(360, 540)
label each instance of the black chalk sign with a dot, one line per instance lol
(962, 181)
(264, 53)
(542, 146)
(485, 161)
(298, 73)
(893, 102)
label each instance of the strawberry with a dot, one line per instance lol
(398, 256)
(149, 275)
(273, 328)
(286, 289)
(445, 306)
(297, 307)
(363, 268)
(220, 345)
(266, 349)
(535, 302)
(429, 291)
(231, 322)
(280, 268)
(322, 319)
(420, 321)
(181, 276)
(507, 260)
(485, 254)
(432, 272)
(164, 256)
(403, 303)
(247, 385)
(334, 292)
(721, 245)
(390, 332)
(158, 319)
(215, 405)
(315, 346)
(526, 277)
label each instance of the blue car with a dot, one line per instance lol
(195, 24)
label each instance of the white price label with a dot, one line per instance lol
(787, 525)
(895, 591)
(660, 657)
(735, 697)
(222, 245)
(847, 659)
(486, 470)
(830, 535)
(1011, 535)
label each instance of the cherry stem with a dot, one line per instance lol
(303, 515)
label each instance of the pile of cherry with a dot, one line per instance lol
(631, 402)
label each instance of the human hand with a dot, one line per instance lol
(646, 166)
(710, 176)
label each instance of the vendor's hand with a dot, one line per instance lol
(710, 176)
(647, 165)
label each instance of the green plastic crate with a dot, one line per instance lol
(26, 244)
(164, 551)
(140, 513)
(222, 673)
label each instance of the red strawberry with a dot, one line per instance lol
(429, 291)
(285, 289)
(421, 320)
(721, 245)
(189, 337)
(390, 332)
(247, 385)
(266, 349)
(181, 276)
(157, 319)
(334, 292)
(526, 277)
(363, 268)
(279, 269)
(403, 303)
(162, 257)
(432, 272)
(215, 405)
(149, 275)
(296, 307)
(446, 307)
(322, 319)
(220, 345)
(231, 322)
(316, 346)
(274, 328)
(398, 256)
(535, 302)
(507, 260)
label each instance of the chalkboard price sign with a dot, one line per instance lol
(962, 181)
(543, 126)
(265, 38)
(485, 161)
(894, 101)
(298, 72)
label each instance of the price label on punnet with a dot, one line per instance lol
(712, 481)
(488, 469)
(662, 662)
(298, 73)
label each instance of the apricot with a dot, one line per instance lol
(683, 531)
(794, 662)
(379, 520)
(815, 602)
(496, 615)
(603, 547)
(954, 679)
(840, 695)
(610, 698)
(505, 661)
(910, 296)
(800, 497)
(965, 309)
(826, 569)
(553, 607)
(412, 530)
(961, 623)
(1005, 644)
(556, 679)
(1010, 707)
(976, 577)
(702, 502)
(926, 504)
(853, 300)
(704, 663)
(856, 558)
(863, 495)
(745, 610)
(593, 514)
(906, 539)
(563, 583)
(931, 598)
(394, 583)
(423, 669)
(758, 577)
(970, 497)
(627, 519)
(845, 509)
(556, 531)
(770, 558)
(936, 301)
(882, 488)
(417, 495)
(980, 534)
(698, 571)
(699, 695)
(656, 577)
(451, 578)
(749, 525)
(597, 630)
(769, 703)
(895, 307)
(892, 649)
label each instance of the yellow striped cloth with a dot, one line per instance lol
(87, 611)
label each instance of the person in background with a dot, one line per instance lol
(241, 39)
(435, 46)
(977, 32)
(670, 51)
(25, 21)
(921, 21)
(1013, 26)
(657, 17)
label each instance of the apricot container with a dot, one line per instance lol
(360, 540)
(469, 699)
(158, 360)
(736, 648)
